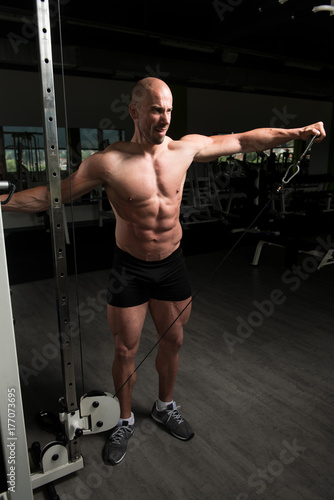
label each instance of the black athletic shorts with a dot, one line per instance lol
(134, 281)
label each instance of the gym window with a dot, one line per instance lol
(23, 157)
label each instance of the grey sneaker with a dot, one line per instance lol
(172, 419)
(115, 448)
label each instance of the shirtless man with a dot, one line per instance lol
(144, 180)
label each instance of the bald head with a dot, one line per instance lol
(146, 87)
(150, 108)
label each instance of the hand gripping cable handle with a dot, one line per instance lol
(7, 186)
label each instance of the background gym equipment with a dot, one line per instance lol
(28, 161)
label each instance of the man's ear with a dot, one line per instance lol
(133, 111)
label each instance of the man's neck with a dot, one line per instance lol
(148, 147)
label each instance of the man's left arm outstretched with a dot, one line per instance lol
(210, 148)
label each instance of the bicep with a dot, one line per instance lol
(211, 148)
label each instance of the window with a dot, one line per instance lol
(93, 139)
(25, 157)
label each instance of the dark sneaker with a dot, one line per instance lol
(115, 448)
(172, 419)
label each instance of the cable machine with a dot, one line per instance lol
(15, 476)
(97, 411)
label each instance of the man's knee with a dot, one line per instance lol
(123, 354)
(173, 339)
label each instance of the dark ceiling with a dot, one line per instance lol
(269, 46)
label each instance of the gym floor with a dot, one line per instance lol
(255, 378)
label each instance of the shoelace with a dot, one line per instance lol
(175, 414)
(118, 434)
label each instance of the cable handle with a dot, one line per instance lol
(286, 180)
(5, 186)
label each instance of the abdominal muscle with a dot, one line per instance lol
(150, 237)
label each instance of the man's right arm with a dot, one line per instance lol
(32, 200)
(37, 199)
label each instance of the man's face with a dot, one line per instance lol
(154, 115)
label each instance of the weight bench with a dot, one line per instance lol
(327, 257)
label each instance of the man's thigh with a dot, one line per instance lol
(170, 316)
(126, 324)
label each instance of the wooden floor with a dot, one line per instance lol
(256, 382)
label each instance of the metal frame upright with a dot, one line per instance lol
(56, 212)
